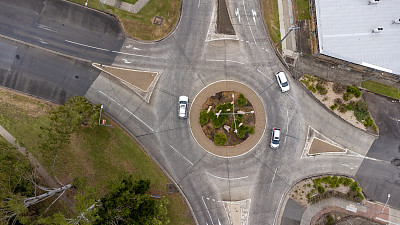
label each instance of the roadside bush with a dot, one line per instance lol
(241, 101)
(329, 220)
(312, 88)
(220, 139)
(333, 107)
(341, 180)
(354, 186)
(334, 182)
(321, 89)
(310, 78)
(321, 189)
(347, 96)
(360, 115)
(354, 90)
(204, 117)
(339, 88)
(362, 106)
(351, 105)
(342, 108)
(347, 181)
(338, 101)
(368, 122)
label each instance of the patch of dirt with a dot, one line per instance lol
(224, 24)
(222, 98)
(341, 218)
(319, 146)
(33, 106)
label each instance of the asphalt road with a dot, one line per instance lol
(380, 177)
(187, 64)
(62, 27)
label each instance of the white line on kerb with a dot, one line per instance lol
(224, 60)
(223, 178)
(127, 111)
(181, 154)
(202, 198)
(279, 206)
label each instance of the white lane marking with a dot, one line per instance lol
(386, 221)
(279, 206)
(124, 53)
(254, 16)
(41, 26)
(287, 125)
(127, 111)
(263, 74)
(181, 154)
(224, 60)
(198, 5)
(237, 13)
(88, 46)
(273, 178)
(223, 178)
(350, 166)
(219, 223)
(126, 61)
(202, 198)
(248, 23)
(290, 96)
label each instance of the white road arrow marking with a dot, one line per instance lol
(237, 13)
(126, 61)
(254, 16)
(130, 46)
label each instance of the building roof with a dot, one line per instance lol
(345, 32)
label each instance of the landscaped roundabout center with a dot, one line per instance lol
(227, 118)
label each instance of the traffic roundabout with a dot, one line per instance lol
(228, 87)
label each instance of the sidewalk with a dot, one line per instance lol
(35, 164)
(369, 210)
(286, 21)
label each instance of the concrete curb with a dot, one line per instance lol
(158, 164)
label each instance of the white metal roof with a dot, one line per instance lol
(345, 32)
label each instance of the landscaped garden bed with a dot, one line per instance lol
(344, 101)
(315, 189)
(225, 120)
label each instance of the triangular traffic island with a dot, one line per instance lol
(318, 144)
(142, 82)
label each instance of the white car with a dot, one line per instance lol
(282, 81)
(275, 138)
(183, 107)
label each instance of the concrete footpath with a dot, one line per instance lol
(35, 164)
(371, 210)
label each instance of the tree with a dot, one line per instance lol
(128, 203)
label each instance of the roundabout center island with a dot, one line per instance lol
(221, 112)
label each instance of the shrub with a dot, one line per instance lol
(360, 115)
(219, 121)
(321, 89)
(368, 122)
(347, 96)
(352, 105)
(362, 106)
(241, 101)
(321, 189)
(338, 101)
(204, 117)
(342, 108)
(354, 90)
(333, 107)
(341, 180)
(334, 182)
(339, 88)
(243, 130)
(220, 139)
(347, 181)
(329, 220)
(354, 186)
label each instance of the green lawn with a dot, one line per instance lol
(271, 18)
(382, 89)
(141, 25)
(303, 10)
(99, 154)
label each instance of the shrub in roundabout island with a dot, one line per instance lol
(241, 101)
(221, 119)
(204, 117)
(220, 139)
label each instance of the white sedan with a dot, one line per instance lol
(183, 107)
(282, 81)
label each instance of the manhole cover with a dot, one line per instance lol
(396, 161)
(158, 20)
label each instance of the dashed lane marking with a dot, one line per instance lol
(224, 178)
(181, 154)
(202, 198)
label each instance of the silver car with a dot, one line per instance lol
(183, 107)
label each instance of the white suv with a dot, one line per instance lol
(183, 107)
(275, 138)
(282, 81)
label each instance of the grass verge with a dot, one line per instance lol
(140, 25)
(382, 89)
(303, 10)
(271, 18)
(100, 154)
